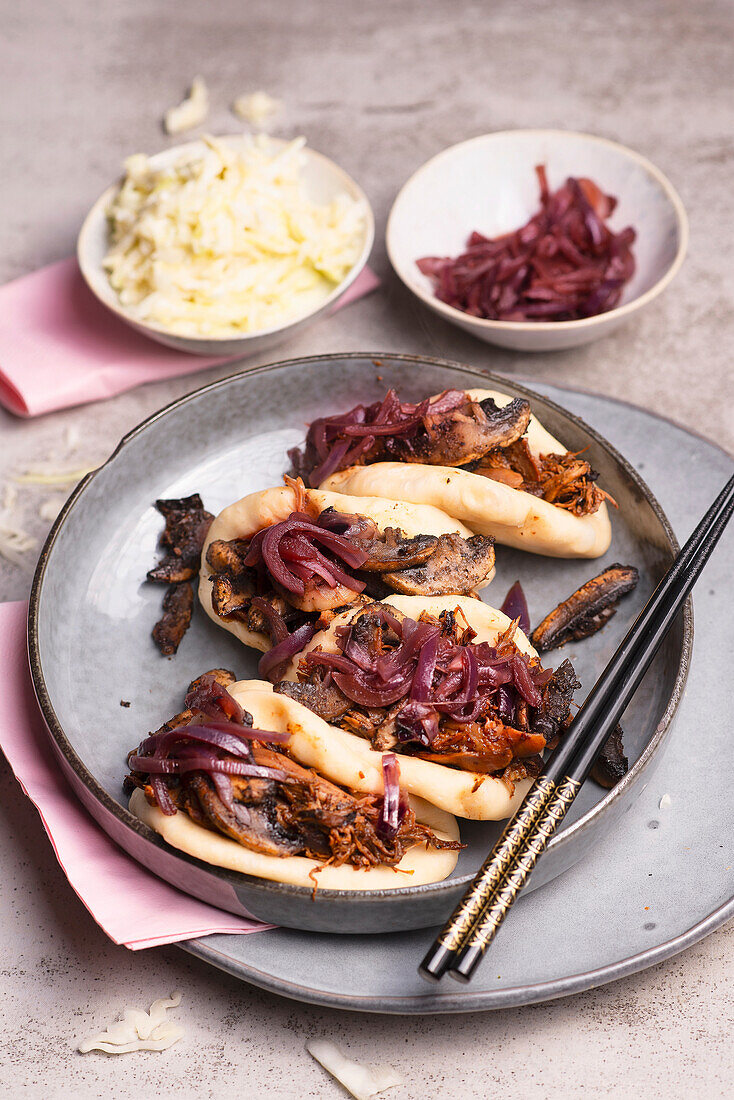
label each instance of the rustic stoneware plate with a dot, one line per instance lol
(655, 884)
(324, 181)
(91, 616)
(489, 184)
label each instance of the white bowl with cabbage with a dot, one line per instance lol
(226, 246)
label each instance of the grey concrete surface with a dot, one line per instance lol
(380, 87)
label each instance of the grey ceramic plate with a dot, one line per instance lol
(91, 617)
(661, 880)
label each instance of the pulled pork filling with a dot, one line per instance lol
(449, 430)
(290, 579)
(425, 688)
(209, 763)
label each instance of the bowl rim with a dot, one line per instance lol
(487, 324)
(268, 886)
(97, 214)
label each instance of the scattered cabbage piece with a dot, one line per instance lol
(226, 241)
(191, 112)
(361, 1081)
(138, 1030)
(664, 802)
(48, 474)
(49, 508)
(257, 108)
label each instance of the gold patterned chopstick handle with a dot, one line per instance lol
(538, 836)
(492, 873)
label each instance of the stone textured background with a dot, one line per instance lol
(379, 87)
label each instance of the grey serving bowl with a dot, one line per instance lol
(91, 615)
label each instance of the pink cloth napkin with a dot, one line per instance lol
(59, 346)
(129, 903)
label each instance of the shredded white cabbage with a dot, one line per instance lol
(138, 1030)
(49, 474)
(226, 241)
(361, 1081)
(191, 112)
(257, 108)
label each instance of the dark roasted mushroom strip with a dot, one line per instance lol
(463, 435)
(178, 604)
(553, 714)
(587, 609)
(458, 566)
(612, 764)
(187, 525)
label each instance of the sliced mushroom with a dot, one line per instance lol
(325, 700)
(554, 711)
(394, 551)
(611, 765)
(249, 825)
(463, 435)
(587, 609)
(222, 676)
(227, 557)
(178, 605)
(231, 596)
(457, 566)
(187, 525)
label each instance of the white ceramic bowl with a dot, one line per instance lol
(323, 179)
(489, 184)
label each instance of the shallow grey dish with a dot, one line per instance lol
(90, 618)
(654, 885)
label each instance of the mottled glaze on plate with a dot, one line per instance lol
(91, 616)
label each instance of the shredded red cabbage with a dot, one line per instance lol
(564, 264)
(336, 442)
(515, 606)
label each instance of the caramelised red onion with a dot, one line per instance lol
(564, 264)
(336, 442)
(515, 606)
(198, 747)
(392, 809)
(271, 663)
(432, 674)
(290, 552)
(211, 698)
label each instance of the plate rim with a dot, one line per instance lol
(267, 886)
(465, 999)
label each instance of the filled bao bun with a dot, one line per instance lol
(488, 507)
(263, 509)
(346, 758)
(419, 865)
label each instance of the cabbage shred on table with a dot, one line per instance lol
(226, 240)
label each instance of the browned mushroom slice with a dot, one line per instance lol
(248, 824)
(325, 700)
(395, 551)
(222, 676)
(231, 596)
(178, 604)
(587, 609)
(187, 525)
(554, 711)
(463, 435)
(611, 765)
(457, 566)
(227, 557)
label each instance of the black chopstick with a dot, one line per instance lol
(476, 920)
